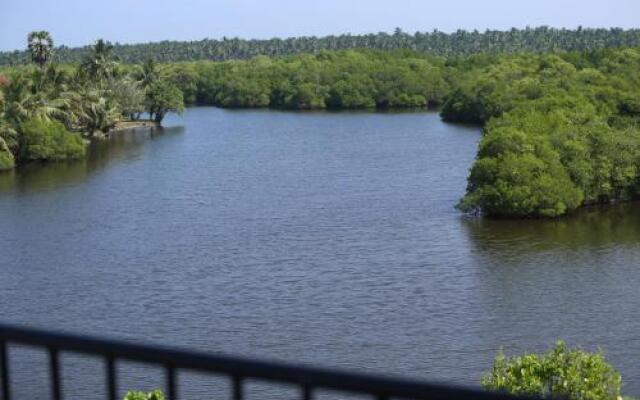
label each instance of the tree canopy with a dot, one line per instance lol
(461, 42)
(560, 131)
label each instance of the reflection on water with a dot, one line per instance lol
(122, 146)
(590, 227)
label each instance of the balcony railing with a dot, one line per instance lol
(238, 370)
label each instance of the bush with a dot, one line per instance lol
(49, 140)
(519, 175)
(573, 373)
(162, 97)
(154, 395)
(558, 135)
(6, 160)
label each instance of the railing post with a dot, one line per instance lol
(56, 384)
(237, 370)
(4, 373)
(112, 383)
(237, 388)
(306, 392)
(172, 389)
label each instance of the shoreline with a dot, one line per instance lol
(125, 125)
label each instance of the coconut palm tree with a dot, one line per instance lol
(40, 45)
(22, 102)
(101, 63)
(91, 109)
(148, 74)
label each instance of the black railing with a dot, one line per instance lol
(238, 370)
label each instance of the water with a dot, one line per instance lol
(321, 238)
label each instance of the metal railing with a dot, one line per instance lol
(238, 370)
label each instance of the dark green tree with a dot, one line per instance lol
(163, 97)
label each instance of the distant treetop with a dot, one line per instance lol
(539, 40)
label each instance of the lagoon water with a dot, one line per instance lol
(321, 238)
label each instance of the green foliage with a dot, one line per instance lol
(574, 373)
(49, 140)
(561, 131)
(153, 395)
(519, 175)
(7, 160)
(100, 64)
(162, 97)
(462, 42)
(40, 107)
(128, 95)
(345, 80)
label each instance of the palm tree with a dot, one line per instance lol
(90, 109)
(101, 63)
(22, 103)
(40, 45)
(149, 73)
(7, 132)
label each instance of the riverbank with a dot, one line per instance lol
(143, 123)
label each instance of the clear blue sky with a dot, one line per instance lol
(80, 22)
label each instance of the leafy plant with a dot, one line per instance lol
(562, 371)
(49, 140)
(153, 395)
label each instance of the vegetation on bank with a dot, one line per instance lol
(47, 110)
(336, 80)
(560, 130)
(540, 40)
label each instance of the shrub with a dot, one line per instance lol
(6, 160)
(154, 395)
(49, 140)
(573, 373)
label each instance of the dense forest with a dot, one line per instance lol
(561, 130)
(338, 80)
(540, 40)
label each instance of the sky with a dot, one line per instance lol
(81, 22)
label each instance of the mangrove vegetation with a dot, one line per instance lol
(560, 128)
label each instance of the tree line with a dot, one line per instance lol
(541, 39)
(338, 80)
